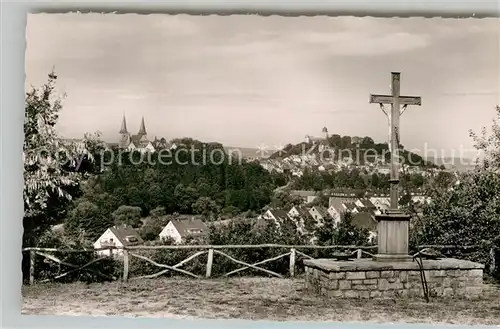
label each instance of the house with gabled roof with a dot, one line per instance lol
(319, 213)
(299, 212)
(365, 203)
(179, 230)
(276, 216)
(351, 207)
(305, 195)
(336, 209)
(117, 236)
(302, 217)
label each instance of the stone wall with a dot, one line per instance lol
(394, 283)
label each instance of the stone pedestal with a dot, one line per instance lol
(393, 228)
(366, 278)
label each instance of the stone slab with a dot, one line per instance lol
(367, 264)
(392, 258)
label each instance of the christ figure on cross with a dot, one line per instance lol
(396, 101)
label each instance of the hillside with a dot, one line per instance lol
(460, 164)
(248, 152)
(346, 146)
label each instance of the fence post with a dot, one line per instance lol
(292, 262)
(125, 265)
(32, 266)
(209, 262)
(360, 253)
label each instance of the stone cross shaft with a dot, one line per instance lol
(396, 101)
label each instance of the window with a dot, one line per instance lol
(132, 239)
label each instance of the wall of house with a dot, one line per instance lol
(311, 198)
(317, 216)
(293, 212)
(170, 231)
(150, 147)
(106, 237)
(359, 203)
(131, 147)
(335, 214)
(268, 215)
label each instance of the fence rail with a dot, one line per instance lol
(126, 253)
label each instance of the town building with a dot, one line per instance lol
(116, 237)
(179, 230)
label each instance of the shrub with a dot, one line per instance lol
(48, 269)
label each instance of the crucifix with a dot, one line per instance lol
(393, 118)
(393, 226)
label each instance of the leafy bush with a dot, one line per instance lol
(127, 215)
(48, 269)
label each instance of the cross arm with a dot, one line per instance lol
(403, 100)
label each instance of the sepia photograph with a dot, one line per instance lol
(323, 169)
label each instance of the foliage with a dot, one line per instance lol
(127, 215)
(206, 207)
(284, 200)
(348, 234)
(158, 212)
(87, 218)
(47, 269)
(489, 145)
(53, 167)
(186, 186)
(468, 213)
(153, 226)
(50, 164)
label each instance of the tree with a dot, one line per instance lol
(206, 207)
(87, 219)
(185, 197)
(375, 183)
(158, 212)
(348, 234)
(53, 168)
(128, 215)
(489, 145)
(284, 200)
(151, 230)
(467, 213)
(367, 141)
(326, 233)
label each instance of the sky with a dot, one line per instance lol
(248, 80)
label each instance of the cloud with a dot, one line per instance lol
(364, 44)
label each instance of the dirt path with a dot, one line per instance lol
(246, 298)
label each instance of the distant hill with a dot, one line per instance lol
(460, 164)
(356, 147)
(249, 152)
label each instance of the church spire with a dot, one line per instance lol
(142, 129)
(123, 130)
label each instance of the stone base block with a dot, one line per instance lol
(366, 278)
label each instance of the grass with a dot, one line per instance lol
(247, 298)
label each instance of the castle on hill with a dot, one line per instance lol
(140, 141)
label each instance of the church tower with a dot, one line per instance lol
(325, 132)
(124, 135)
(142, 129)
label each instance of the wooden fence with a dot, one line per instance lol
(127, 252)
